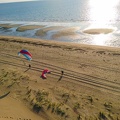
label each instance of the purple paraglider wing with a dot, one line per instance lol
(26, 53)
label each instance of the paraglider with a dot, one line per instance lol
(44, 73)
(26, 53)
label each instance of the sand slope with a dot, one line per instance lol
(88, 89)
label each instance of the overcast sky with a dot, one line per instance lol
(6, 1)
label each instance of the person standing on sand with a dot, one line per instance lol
(62, 72)
(29, 66)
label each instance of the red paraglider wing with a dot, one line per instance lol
(44, 72)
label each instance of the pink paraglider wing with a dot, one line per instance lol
(44, 73)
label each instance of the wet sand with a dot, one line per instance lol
(98, 31)
(28, 27)
(66, 32)
(43, 32)
(7, 26)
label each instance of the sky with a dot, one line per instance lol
(7, 1)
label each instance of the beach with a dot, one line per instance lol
(59, 60)
(89, 88)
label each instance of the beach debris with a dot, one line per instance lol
(2, 96)
(43, 76)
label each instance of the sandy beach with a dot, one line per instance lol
(89, 89)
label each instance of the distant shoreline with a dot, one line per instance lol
(43, 42)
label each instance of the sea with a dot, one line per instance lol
(96, 16)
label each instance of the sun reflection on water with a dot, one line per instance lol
(100, 39)
(103, 12)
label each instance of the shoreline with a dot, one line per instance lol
(41, 41)
(91, 77)
(81, 34)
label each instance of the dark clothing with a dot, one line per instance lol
(62, 72)
(29, 66)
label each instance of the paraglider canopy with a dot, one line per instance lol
(26, 53)
(44, 73)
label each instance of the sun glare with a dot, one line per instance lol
(100, 39)
(103, 10)
(105, 3)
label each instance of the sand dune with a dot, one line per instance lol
(88, 89)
